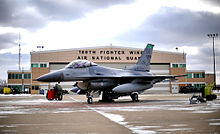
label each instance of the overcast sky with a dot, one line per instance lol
(63, 24)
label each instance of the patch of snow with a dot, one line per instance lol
(12, 112)
(140, 131)
(7, 107)
(214, 120)
(182, 108)
(214, 124)
(146, 127)
(120, 120)
(8, 131)
(6, 126)
(114, 117)
(178, 125)
(175, 129)
(75, 99)
(56, 112)
(203, 112)
(3, 117)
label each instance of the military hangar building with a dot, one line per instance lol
(162, 63)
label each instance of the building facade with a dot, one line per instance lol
(19, 80)
(162, 63)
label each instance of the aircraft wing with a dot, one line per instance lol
(157, 78)
(144, 78)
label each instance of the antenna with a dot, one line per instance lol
(19, 54)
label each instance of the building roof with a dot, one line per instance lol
(19, 71)
(191, 71)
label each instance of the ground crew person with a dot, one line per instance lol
(58, 88)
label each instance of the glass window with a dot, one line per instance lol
(16, 76)
(184, 65)
(196, 75)
(198, 85)
(175, 65)
(25, 76)
(43, 65)
(19, 76)
(12, 76)
(80, 64)
(35, 87)
(17, 87)
(201, 75)
(9, 76)
(189, 75)
(29, 76)
(34, 65)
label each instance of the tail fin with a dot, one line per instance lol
(143, 63)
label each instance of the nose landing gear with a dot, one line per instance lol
(134, 97)
(89, 100)
(92, 94)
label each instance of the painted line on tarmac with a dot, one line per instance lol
(119, 119)
(75, 99)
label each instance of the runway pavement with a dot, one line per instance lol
(155, 113)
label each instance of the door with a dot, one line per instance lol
(175, 88)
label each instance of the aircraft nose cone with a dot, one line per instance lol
(51, 77)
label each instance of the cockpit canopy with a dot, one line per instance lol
(80, 64)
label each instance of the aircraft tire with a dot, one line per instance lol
(209, 97)
(89, 100)
(134, 97)
(214, 96)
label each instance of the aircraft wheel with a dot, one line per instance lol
(214, 96)
(89, 100)
(134, 97)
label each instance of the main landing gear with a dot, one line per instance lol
(108, 96)
(92, 94)
(134, 97)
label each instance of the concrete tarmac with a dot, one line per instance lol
(154, 113)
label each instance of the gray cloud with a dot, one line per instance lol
(8, 40)
(69, 10)
(19, 14)
(174, 26)
(212, 2)
(33, 14)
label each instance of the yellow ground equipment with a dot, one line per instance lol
(207, 93)
(6, 90)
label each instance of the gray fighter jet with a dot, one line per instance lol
(92, 79)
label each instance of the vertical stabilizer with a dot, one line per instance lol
(143, 63)
(146, 56)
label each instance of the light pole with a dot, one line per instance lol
(213, 38)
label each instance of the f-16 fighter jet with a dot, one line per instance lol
(92, 79)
